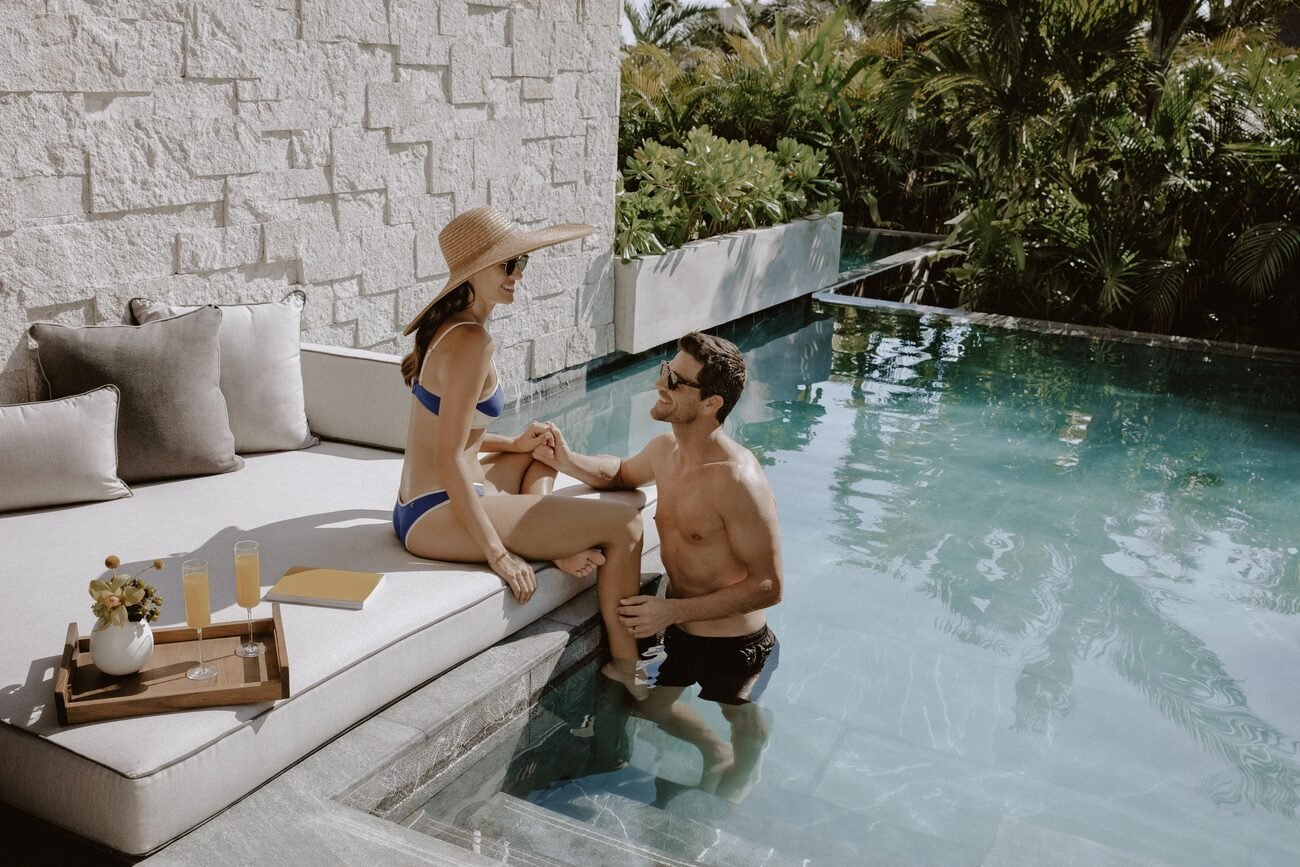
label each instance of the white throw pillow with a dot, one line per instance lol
(261, 374)
(60, 451)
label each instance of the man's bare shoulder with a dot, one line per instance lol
(661, 446)
(739, 474)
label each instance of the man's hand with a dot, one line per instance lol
(536, 435)
(554, 452)
(646, 615)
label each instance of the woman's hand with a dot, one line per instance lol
(555, 451)
(535, 436)
(516, 574)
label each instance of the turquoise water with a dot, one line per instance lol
(859, 249)
(1041, 605)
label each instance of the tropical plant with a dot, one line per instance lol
(747, 18)
(662, 23)
(1133, 164)
(771, 85)
(669, 196)
(1104, 173)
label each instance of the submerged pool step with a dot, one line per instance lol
(478, 843)
(617, 830)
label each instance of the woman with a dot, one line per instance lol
(451, 505)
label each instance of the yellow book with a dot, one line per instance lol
(313, 585)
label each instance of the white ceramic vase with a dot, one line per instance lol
(121, 649)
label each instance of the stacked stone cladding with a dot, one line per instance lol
(229, 151)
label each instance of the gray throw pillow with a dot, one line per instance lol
(60, 451)
(172, 421)
(261, 373)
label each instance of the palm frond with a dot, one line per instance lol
(1262, 255)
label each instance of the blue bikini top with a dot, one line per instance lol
(485, 411)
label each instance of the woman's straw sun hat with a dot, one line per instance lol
(483, 237)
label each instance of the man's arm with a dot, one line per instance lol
(748, 511)
(602, 472)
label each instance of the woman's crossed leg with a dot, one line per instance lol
(541, 527)
(516, 473)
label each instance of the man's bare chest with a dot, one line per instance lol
(685, 510)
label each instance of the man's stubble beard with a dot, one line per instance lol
(672, 414)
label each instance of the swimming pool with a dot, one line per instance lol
(1041, 607)
(861, 248)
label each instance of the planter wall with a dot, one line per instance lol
(657, 299)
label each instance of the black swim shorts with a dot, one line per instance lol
(730, 670)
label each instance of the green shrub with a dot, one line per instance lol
(1134, 165)
(669, 196)
(774, 84)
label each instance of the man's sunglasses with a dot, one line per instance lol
(674, 379)
(516, 264)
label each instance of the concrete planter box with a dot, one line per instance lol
(706, 283)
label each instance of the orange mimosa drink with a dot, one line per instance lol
(248, 580)
(198, 601)
(248, 591)
(198, 611)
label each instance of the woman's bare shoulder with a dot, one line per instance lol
(463, 334)
(459, 343)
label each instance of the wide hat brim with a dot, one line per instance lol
(516, 243)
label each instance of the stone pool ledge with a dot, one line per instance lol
(1066, 329)
(330, 808)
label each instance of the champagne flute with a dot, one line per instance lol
(198, 610)
(248, 592)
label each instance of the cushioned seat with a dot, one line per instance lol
(134, 784)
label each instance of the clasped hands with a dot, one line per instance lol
(536, 435)
(548, 445)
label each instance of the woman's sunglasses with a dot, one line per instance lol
(516, 264)
(673, 378)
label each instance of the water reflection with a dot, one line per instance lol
(653, 773)
(1079, 515)
(782, 401)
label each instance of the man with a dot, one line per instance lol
(718, 535)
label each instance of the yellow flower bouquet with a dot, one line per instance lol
(125, 597)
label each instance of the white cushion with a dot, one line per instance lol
(134, 784)
(261, 379)
(60, 451)
(356, 396)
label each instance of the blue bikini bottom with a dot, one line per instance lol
(406, 515)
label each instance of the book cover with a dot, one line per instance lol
(315, 585)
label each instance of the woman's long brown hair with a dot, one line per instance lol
(443, 309)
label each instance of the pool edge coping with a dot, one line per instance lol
(1067, 329)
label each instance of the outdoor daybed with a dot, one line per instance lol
(135, 784)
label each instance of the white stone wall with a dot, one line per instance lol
(219, 151)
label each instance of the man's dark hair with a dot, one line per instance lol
(723, 373)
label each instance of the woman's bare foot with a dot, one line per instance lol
(624, 671)
(582, 564)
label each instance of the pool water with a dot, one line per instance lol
(860, 249)
(1041, 600)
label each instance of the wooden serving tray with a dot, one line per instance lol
(83, 693)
